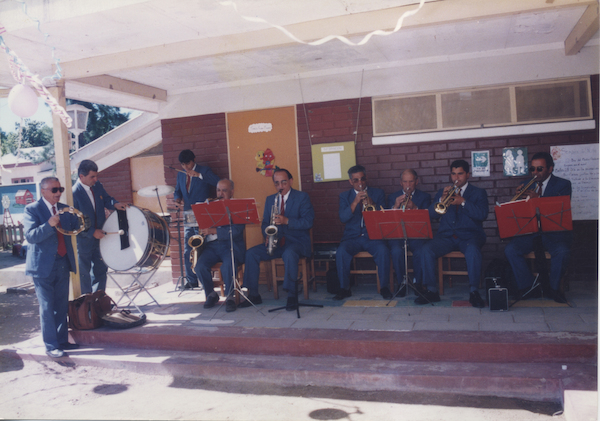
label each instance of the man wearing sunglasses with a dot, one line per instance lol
(557, 243)
(90, 198)
(50, 257)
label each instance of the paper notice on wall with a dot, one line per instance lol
(579, 165)
(332, 166)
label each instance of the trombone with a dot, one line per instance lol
(442, 206)
(524, 189)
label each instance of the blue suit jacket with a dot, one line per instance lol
(558, 187)
(42, 239)
(300, 212)
(465, 222)
(81, 201)
(199, 187)
(351, 220)
(419, 198)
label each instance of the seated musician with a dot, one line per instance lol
(292, 213)
(355, 238)
(463, 209)
(557, 243)
(217, 248)
(408, 198)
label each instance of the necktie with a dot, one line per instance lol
(458, 194)
(94, 206)
(188, 182)
(62, 248)
(539, 187)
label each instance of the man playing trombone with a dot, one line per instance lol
(407, 198)
(355, 238)
(462, 208)
(558, 243)
(287, 219)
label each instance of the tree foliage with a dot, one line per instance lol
(101, 120)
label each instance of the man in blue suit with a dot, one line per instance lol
(217, 248)
(355, 237)
(192, 187)
(293, 220)
(558, 243)
(90, 198)
(50, 257)
(461, 228)
(408, 198)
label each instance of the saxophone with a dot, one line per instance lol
(271, 231)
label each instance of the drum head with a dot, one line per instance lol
(110, 245)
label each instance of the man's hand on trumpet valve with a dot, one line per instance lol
(528, 193)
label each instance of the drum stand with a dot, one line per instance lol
(136, 285)
(235, 283)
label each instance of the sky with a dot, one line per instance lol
(8, 118)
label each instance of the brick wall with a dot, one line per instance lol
(117, 181)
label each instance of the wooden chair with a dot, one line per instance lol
(303, 266)
(444, 270)
(367, 255)
(564, 283)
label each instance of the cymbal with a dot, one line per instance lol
(153, 191)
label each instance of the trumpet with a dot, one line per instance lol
(368, 207)
(407, 198)
(84, 221)
(195, 242)
(271, 231)
(442, 206)
(524, 189)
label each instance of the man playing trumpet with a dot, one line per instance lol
(462, 208)
(558, 243)
(408, 198)
(293, 218)
(355, 237)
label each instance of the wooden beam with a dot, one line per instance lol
(583, 30)
(128, 87)
(432, 13)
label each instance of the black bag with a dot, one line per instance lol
(502, 271)
(123, 319)
(333, 283)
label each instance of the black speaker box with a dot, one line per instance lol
(498, 299)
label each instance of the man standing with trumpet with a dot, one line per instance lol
(90, 198)
(287, 218)
(408, 198)
(356, 238)
(558, 243)
(462, 208)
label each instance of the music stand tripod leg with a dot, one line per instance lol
(406, 283)
(298, 304)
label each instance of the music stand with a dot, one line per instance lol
(298, 304)
(228, 212)
(531, 216)
(395, 224)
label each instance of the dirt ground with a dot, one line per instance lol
(48, 389)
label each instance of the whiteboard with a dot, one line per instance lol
(579, 165)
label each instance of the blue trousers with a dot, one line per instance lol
(557, 244)
(53, 296)
(92, 269)
(190, 275)
(427, 257)
(347, 250)
(213, 253)
(397, 254)
(290, 253)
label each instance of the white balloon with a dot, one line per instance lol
(22, 101)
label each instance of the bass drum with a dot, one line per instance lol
(148, 241)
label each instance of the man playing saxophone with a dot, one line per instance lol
(217, 248)
(557, 243)
(292, 213)
(407, 198)
(462, 208)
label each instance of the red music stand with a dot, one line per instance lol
(528, 216)
(395, 224)
(227, 212)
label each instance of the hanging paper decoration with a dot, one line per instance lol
(265, 163)
(22, 101)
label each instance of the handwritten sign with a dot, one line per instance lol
(579, 165)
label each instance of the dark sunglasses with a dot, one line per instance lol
(57, 189)
(539, 169)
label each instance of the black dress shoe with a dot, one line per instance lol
(343, 293)
(428, 297)
(292, 304)
(211, 300)
(476, 300)
(557, 296)
(386, 293)
(56, 353)
(230, 305)
(256, 299)
(68, 346)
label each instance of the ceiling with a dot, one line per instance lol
(148, 55)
